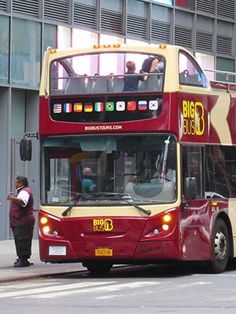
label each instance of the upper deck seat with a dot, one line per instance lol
(116, 85)
(151, 84)
(184, 77)
(78, 85)
(194, 80)
(99, 85)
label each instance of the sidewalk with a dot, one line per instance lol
(39, 269)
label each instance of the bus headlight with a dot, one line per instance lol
(46, 230)
(167, 218)
(165, 227)
(43, 220)
(49, 226)
(162, 224)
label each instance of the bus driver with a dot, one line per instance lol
(88, 185)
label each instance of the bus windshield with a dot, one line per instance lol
(140, 166)
(106, 73)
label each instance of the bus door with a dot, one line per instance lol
(195, 217)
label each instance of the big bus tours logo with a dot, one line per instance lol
(193, 118)
(101, 225)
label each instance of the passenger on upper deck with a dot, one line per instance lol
(131, 81)
(151, 65)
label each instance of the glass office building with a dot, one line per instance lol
(207, 28)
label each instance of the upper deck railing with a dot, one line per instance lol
(86, 71)
(226, 74)
(226, 84)
(103, 84)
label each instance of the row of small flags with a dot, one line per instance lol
(107, 106)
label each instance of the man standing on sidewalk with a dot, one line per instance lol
(22, 220)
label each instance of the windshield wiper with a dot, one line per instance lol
(107, 196)
(68, 209)
(89, 196)
(141, 209)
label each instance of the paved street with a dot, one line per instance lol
(60, 288)
(123, 291)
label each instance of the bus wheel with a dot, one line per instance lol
(97, 268)
(220, 247)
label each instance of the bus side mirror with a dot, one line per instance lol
(190, 188)
(25, 149)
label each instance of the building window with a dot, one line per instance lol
(168, 2)
(50, 36)
(4, 49)
(81, 38)
(63, 37)
(207, 62)
(227, 65)
(18, 114)
(113, 63)
(187, 4)
(26, 43)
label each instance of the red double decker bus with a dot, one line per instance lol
(136, 166)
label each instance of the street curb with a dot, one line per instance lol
(35, 276)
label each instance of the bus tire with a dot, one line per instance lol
(220, 247)
(97, 268)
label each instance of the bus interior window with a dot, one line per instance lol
(192, 166)
(230, 163)
(190, 72)
(221, 170)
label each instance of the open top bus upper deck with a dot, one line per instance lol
(84, 91)
(109, 62)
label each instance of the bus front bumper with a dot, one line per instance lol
(65, 251)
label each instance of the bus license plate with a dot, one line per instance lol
(57, 250)
(103, 252)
